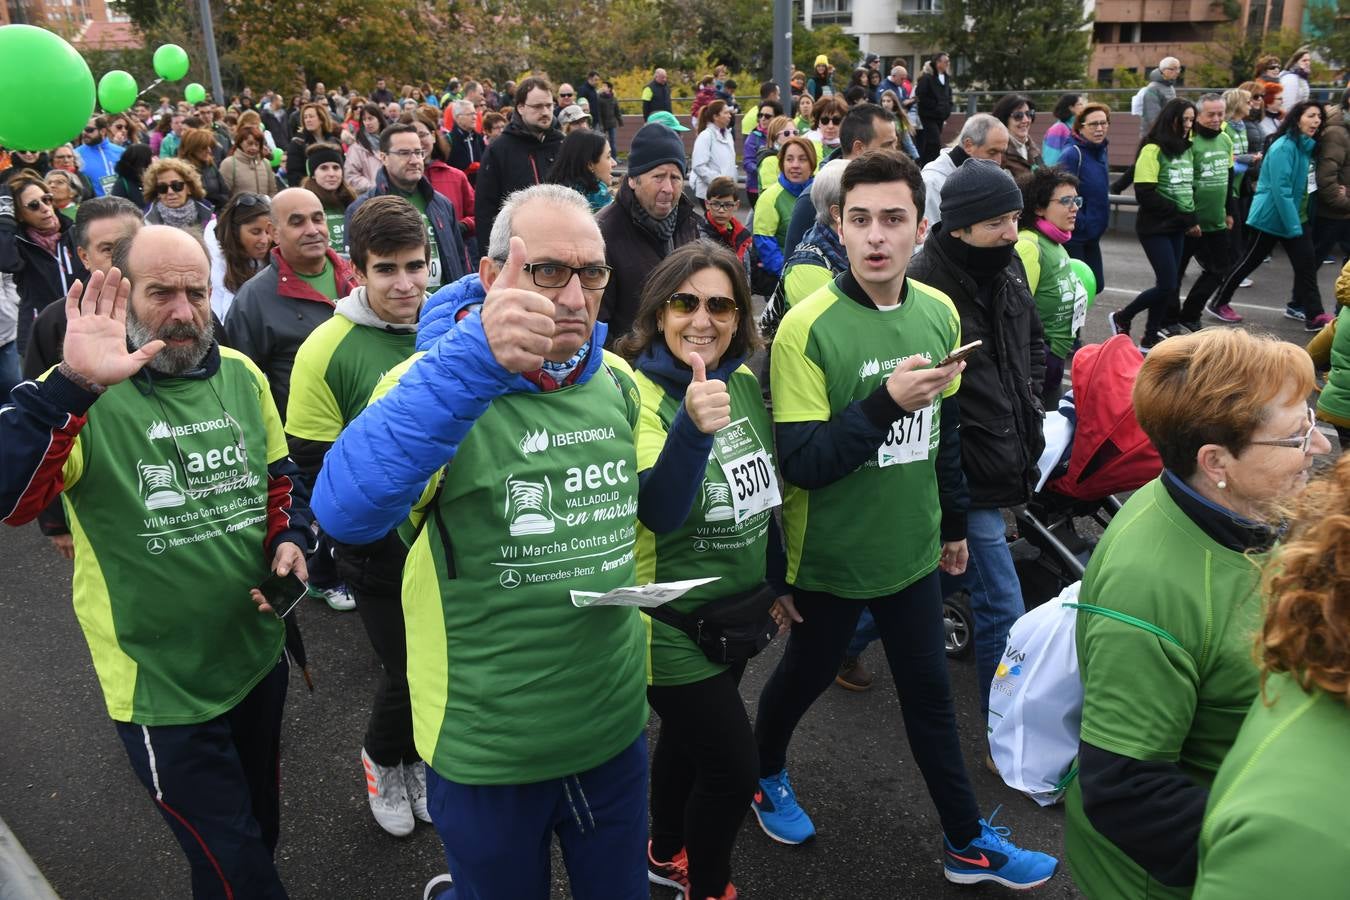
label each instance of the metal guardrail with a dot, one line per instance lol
(19, 877)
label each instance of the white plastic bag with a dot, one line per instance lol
(1137, 102)
(1036, 701)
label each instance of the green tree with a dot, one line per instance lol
(1331, 30)
(1230, 57)
(1004, 45)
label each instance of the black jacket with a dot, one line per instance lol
(606, 115)
(1001, 415)
(40, 277)
(217, 194)
(592, 96)
(935, 98)
(518, 159)
(295, 155)
(466, 148)
(660, 99)
(633, 253)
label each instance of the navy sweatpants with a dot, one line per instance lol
(217, 784)
(497, 837)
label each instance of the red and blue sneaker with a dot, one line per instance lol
(775, 805)
(992, 857)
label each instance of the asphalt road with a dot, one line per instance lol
(67, 792)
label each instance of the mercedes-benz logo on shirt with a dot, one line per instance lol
(156, 545)
(510, 579)
(700, 545)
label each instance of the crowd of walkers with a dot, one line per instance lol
(489, 387)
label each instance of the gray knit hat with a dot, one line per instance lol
(979, 189)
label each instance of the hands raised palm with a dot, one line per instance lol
(96, 331)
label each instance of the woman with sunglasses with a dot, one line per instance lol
(1165, 688)
(238, 242)
(779, 130)
(827, 116)
(1164, 173)
(756, 139)
(1016, 112)
(693, 334)
(35, 248)
(1047, 222)
(174, 190)
(773, 210)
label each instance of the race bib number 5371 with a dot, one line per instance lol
(908, 439)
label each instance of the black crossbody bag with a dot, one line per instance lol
(728, 630)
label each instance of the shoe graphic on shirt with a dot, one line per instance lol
(717, 501)
(528, 507)
(159, 485)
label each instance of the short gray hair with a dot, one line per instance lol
(826, 190)
(91, 211)
(1169, 62)
(978, 128)
(461, 106)
(499, 242)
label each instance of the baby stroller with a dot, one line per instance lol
(1095, 449)
(1103, 453)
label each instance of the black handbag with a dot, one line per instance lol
(728, 630)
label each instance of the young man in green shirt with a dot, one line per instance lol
(181, 499)
(373, 329)
(864, 420)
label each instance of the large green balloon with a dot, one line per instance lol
(1084, 273)
(277, 156)
(48, 89)
(171, 62)
(116, 91)
(194, 93)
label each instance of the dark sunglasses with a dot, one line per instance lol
(831, 120)
(687, 304)
(1023, 114)
(248, 199)
(37, 203)
(767, 115)
(172, 187)
(90, 129)
(567, 95)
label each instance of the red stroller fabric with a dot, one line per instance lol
(1110, 451)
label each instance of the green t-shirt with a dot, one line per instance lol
(1173, 175)
(1061, 300)
(166, 497)
(337, 232)
(710, 543)
(1213, 158)
(434, 277)
(1280, 791)
(336, 368)
(510, 682)
(830, 352)
(1144, 697)
(325, 282)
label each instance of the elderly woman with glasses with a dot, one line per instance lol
(174, 191)
(35, 248)
(1017, 113)
(1085, 159)
(1167, 668)
(702, 421)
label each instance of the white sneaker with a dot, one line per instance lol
(439, 888)
(336, 597)
(388, 797)
(415, 782)
(1246, 282)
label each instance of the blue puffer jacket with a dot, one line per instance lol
(1278, 207)
(383, 460)
(1086, 161)
(441, 311)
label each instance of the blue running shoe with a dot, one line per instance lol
(775, 806)
(992, 857)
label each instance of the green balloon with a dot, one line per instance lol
(116, 91)
(194, 93)
(1084, 273)
(171, 62)
(277, 156)
(47, 86)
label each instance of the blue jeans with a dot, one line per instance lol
(10, 373)
(864, 634)
(995, 592)
(497, 837)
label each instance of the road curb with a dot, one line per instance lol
(19, 877)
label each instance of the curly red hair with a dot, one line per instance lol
(1307, 581)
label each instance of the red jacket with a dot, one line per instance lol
(453, 185)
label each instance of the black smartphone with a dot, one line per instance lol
(283, 592)
(960, 353)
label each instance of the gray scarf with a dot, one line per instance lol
(184, 216)
(661, 229)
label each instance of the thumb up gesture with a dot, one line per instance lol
(517, 320)
(706, 402)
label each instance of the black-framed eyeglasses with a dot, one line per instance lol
(172, 187)
(686, 304)
(831, 120)
(557, 275)
(1298, 443)
(1024, 114)
(722, 204)
(38, 202)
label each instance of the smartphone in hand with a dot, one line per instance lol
(283, 592)
(960, 353)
